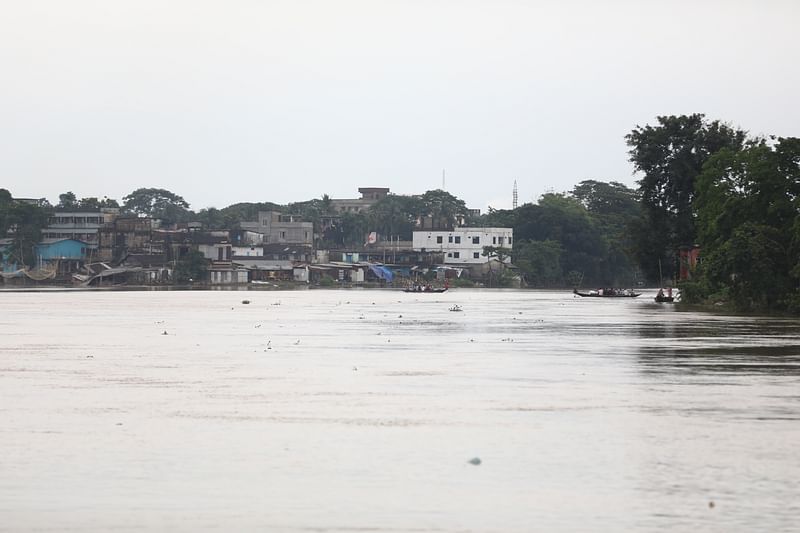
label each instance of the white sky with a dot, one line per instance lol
(281, 101)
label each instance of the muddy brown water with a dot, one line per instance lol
(360, 410)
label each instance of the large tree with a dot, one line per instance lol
(748, 208)
(670, 156)
(24, 223)
(395, 216)
(615, 208)
(67, 200)
(442, 208)
(157, 203)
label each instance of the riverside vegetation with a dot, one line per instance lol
(701, 183)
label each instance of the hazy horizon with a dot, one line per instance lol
(287, 100)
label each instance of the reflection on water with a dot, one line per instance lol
(360, 411)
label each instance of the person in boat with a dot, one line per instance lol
(660, 293)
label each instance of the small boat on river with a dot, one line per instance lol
(419, 287)
(425, 289)
(663, 297)
(607, 293)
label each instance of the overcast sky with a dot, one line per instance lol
(223, 102)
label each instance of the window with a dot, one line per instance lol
(283, 235)
(449, 254)
(476, 240)
(494, 240)
(500, 241)
(439, 239)
(476, 255)
(456, 255)
(449, 238)
(458, 240)
(509, 240)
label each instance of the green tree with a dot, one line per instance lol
(670, 156)
(615, 209)
(395, 215)
(442, 208)
(192, 267)
(157, 203)
(93, 203)
(349, 231)
(24, 224)
(67, 200)
(539, 262)
(247, 211)
(747, 216)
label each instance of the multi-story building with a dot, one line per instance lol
(278, 228)
(79, 225)
(126, 235)
(369, 197)
(464, 246)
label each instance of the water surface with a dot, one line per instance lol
(333, 410)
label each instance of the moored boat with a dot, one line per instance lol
(607, 293)
(663, 297)
(426, 289)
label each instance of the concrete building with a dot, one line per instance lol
(278, 228)
(464, 246)
(79, 225)
(369, 197)
(125, 236)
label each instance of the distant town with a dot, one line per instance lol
(152, 239)
(715, 214)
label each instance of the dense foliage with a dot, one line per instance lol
(702, 183)
(747, 207)
(573, 239)
(22, 222)
(670, 156)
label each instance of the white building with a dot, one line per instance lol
(464, 246)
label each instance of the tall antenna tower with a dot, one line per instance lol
(514, 196)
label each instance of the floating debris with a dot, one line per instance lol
(165, 333)
(456, 308)
(245, 302)
(475, 461)
(711, 504)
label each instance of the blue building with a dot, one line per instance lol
(66, 256)
(62, 250)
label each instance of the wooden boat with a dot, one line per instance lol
(663, 297)
(608, 293)
(425, 289)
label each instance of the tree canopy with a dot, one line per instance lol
(670, 156)
(748, 218)
(157, 203)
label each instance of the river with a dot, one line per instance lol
(360, 410)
